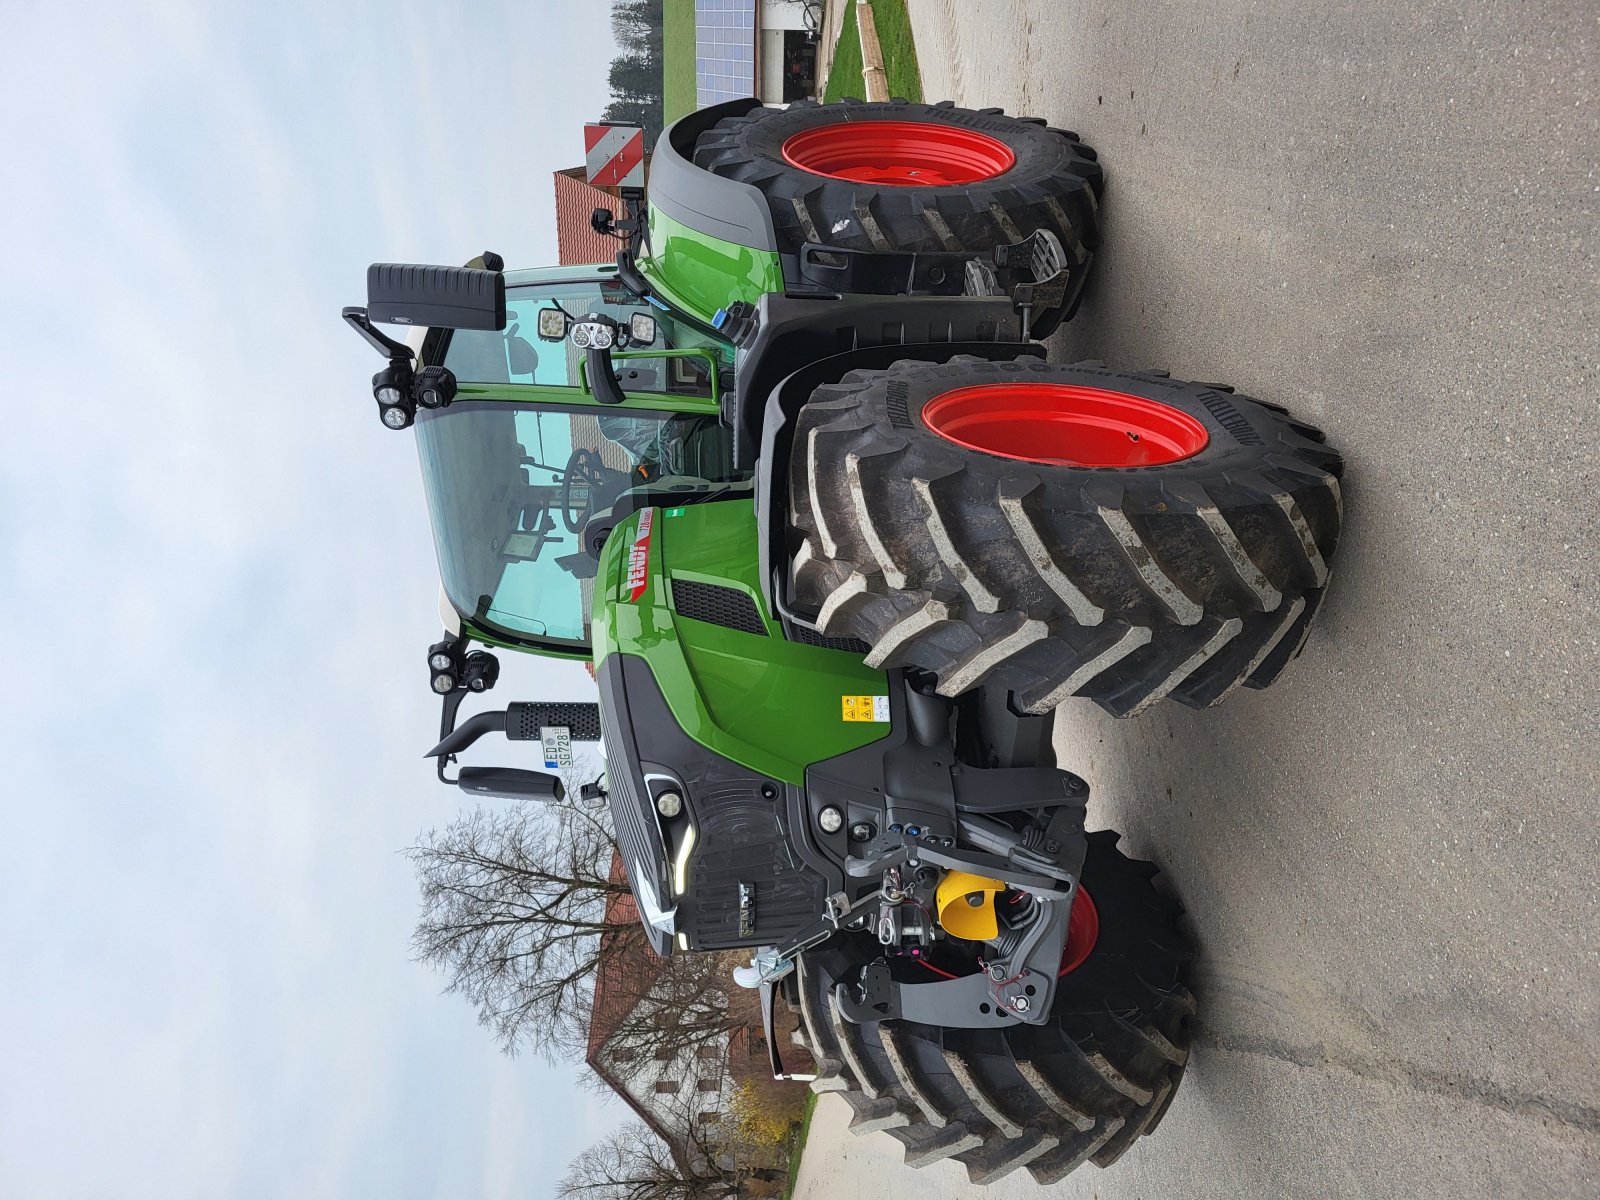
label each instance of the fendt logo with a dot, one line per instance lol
(639, 556)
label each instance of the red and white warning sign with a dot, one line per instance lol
(614, 155)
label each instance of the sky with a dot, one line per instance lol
(218, 587)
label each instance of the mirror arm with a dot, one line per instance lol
(467, 732)
(383, 344)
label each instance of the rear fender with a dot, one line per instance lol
(700, 200)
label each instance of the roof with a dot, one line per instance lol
(627, 968)
(576, 199)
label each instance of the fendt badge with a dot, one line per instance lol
(639, 556)
(747, 910)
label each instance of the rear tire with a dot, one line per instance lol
(1123, 582)
(1081, 1088)
(1054, 183)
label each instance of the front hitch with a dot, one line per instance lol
(1015, 986)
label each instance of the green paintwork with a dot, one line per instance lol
(770, 704)
(536, 393)
(478, 634)
(700, 274)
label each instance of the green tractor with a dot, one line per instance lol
(796, 475)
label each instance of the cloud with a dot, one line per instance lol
(219, 586)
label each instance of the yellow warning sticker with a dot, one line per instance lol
(866, 708)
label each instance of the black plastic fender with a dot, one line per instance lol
(703, 201)
(768, 402)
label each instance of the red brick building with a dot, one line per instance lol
(666, 1086)
(576, 199)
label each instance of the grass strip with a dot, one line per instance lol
(899, 54)
(679, 96)
(799, 1144)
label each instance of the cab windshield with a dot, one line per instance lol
(511, 489)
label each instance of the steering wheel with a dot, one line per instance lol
(583, 484)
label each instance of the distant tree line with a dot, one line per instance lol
(636, 87)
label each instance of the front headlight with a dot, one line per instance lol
(680, 864)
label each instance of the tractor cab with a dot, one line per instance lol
(560, 407)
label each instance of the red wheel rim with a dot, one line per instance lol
(899, 153)
(1066, 424)
(1083, 931)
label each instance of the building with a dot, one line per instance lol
(750, 48)
(577, 243)
(741, 48)
(666, 1086)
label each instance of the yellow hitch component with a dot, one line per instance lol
(966, 905)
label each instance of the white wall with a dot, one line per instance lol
(769, 69)
(782, 14)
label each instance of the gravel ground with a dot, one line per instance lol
(1384, 217)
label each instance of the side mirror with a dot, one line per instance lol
(552, 325)
(444, 297)
(510, 783)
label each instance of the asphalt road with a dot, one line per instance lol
(1383, 216)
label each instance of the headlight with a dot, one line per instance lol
(680, 865)
(831, 819)
(669, 804)
(482, 670)
(436, 387)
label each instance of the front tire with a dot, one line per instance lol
(1081, 1088)
(1062, 530)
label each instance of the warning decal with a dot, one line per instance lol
(866, 708)
(614, 155)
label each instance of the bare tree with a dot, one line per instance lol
(688, 1006)
(514, 903)
(632, 1163)
(636, 26)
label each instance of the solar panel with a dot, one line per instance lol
(724, 50)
